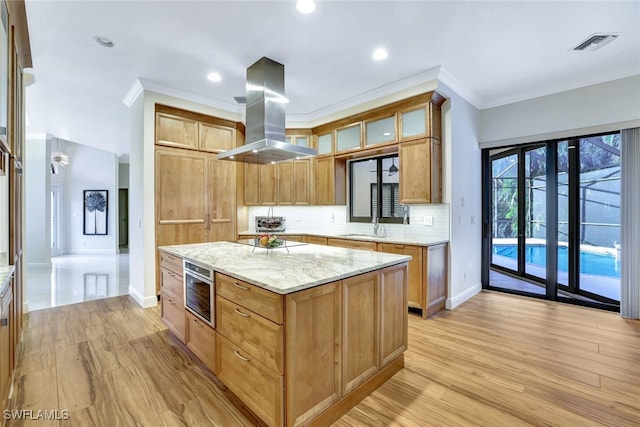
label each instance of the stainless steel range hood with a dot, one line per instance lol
(265, 118)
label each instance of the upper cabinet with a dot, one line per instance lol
(349, 137)
(380, 131)
(325, 143)
(176, 131)
(193, 131)
(215, 138)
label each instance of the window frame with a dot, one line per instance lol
(379, 185)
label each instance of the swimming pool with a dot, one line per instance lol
(590, 262)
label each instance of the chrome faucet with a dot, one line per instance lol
(405, 217)
(377, 225)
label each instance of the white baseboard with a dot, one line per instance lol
(25, 307)
(144, 302)
(460, 298)
(38, 265)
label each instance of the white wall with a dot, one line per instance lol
(603, 107)
(462, 188)
(37, 173)
(89, 169)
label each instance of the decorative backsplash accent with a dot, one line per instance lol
(333, 219)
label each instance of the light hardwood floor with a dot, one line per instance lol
(496, 360)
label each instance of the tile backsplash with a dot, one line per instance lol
(334, 219)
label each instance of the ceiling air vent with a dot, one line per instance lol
(240, 99)
(596, 41)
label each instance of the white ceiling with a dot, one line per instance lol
(496, 52)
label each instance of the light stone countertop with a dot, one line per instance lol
(400, 240)
(5, 274)
(302, 267)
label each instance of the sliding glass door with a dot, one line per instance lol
(552, 220)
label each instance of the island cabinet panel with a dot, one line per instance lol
(257, 386)
(171, 282)
(313, 351)
(201, 340)
(265, 303)
(360, 330)
(171, 262)
(173, 314)
(416, 286)
(260, 338)
(393, 313)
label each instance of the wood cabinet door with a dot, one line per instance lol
(215, 138)
(251, 184)
(314, 240)
(285, 182)
(181, 183)
(393, 313)
(301, 182)
(416, 286)
(221, 200)
(313, 351)
(176, 131)
(201, 340)
(352, 244)
(436, 272)
(173, 314)
(360, 330)
(415, 172)
(268, 188)
(324, 181)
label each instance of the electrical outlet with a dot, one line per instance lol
(428, 220)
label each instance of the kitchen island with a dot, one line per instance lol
(302, 333)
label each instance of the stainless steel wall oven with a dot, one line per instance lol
(199, 291)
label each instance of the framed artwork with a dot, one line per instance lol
(96, 205)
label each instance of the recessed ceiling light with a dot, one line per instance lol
(306, 6)
(380, 54)
(103, 41)
(214, 77)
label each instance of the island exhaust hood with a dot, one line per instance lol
(265, 118)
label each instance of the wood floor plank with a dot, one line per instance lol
(496, 360)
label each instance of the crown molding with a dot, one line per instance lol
(464, 91)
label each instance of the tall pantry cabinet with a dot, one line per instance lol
(195, 192)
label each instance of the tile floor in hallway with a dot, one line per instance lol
(77, 278)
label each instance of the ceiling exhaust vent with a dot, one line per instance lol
(240, 99)
(596, 41)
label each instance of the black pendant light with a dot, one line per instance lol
(393, 169)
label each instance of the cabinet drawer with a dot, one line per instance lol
(172, 283)
(173, 315)
(352, 244)
(201, 340)
(171, 262)
(259, 337)
(258, 387)
(265, 303)
(315, 240)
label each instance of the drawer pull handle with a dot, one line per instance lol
(237, 353)
(195, 322)
(171, 274)
(241, 313)
(237, 285)
(171, 301)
